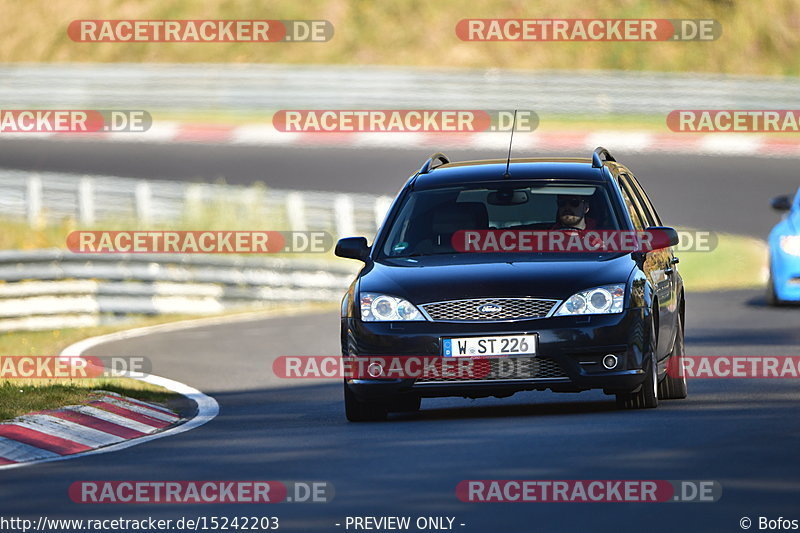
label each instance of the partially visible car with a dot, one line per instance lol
(784, 252)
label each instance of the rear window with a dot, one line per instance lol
(428, 219)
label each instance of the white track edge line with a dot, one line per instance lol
(207, 407)
(77, 349)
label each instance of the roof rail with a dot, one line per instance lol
(601, 155)
(428, 165)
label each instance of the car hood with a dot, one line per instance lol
(788, 225)
(436, 278)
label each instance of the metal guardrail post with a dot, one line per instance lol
(295, 211)
(192, 200)
(33, 200)
(251, 199)
(343, 212)
(93, 199)
(86, 201)
(143, 202)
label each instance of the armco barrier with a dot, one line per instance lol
(49, 289)
(53, 196)
(249, 87)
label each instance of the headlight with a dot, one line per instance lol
(385, 308)
(791, 244)
(597, 301)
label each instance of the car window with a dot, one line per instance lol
(646, 217)
(631, 206)
(644, 200)
(428, 219)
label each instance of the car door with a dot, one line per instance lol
(676, 284)
(657, 268)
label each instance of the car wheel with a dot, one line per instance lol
(647, 395)
(673, 386)
(772, 296)
(358, 411)
(405, 404)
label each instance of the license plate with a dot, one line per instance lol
(488, 346)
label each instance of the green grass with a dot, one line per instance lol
(20, 396)
(757, 38)
(737, 262)
(18, 399)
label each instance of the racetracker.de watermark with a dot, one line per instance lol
(200, 31)
(199, 242)
(734, 120)
(735, 366)
(63, 367)
(406, 367)
(201, 492)
(588, 29)
(588, 490)
(575, 241)
(403, 120)
(74, 121)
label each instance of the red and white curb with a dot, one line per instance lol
(110, 423)
(106, 420)
(750, 144)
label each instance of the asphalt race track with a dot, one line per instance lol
(741, 433)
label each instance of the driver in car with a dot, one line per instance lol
(571, 213)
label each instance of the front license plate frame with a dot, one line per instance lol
(491, 345)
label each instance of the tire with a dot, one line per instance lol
(647, 395)
(357, 411)
(673, 386)
(772, 296)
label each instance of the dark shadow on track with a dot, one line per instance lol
(761, 301)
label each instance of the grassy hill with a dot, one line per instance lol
(759, 37)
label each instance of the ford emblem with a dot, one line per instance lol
(489, 308)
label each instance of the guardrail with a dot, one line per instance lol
(50, 196)
(50, 289)
(248, 87)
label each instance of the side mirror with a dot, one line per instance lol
(662, 237)
(353, 248)
(781, 203)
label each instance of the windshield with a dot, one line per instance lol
(428, 219)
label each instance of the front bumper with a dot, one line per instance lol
(571, 348)
(786, 276)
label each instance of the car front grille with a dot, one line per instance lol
(490, 369)
(488, 309)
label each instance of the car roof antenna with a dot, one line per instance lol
(508, 159)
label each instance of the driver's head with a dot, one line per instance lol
(572, 209)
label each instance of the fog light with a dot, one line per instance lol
(375, 370)
(610, 361)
